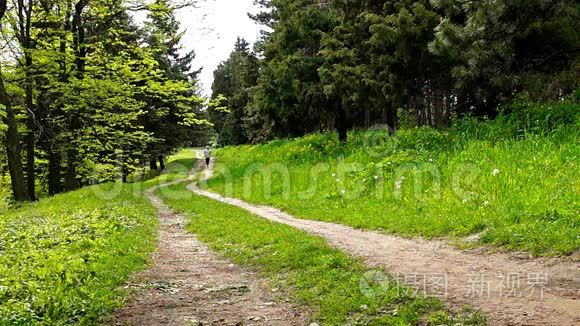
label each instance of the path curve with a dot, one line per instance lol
(189, 285)
(509, 291)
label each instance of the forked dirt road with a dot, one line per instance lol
(189, 285)
(507, 289)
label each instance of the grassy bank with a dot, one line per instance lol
(63, 260)
(323, 279)
(514, 180)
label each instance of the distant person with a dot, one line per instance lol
(207, 155)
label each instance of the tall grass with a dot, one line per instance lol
(514, 180)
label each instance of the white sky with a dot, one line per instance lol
(211, 31)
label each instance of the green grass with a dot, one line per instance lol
(177, 168)
(64, 259)
(304, 266)
(448, 187)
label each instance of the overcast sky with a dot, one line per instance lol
(211, 30)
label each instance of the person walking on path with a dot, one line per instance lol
(207, 155)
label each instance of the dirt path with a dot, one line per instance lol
(189, 285)
(507, 289)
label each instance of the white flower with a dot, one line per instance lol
(389, 163)
(495, 172)
(337, 180)
(430, 160)
(398, 184)
(403, 178)
(334, 175)
(376, 177)
(343, 191)
(485, 203)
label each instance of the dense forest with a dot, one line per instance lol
(87, 95)
(339, 64)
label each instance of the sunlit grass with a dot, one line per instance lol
(517, 188)
(63, 259)
(324, 280)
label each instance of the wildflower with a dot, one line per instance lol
(485, 203)
(337, 180)
(430, 160)
(398, 184)
(495, 172)
(403, 178)
(389, 163)
(343, 191)
(376, 177)
(334, 175)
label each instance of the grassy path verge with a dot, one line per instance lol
(189, 285)
(337, 288)
(63, 260)
(514, 193)
(509, 290)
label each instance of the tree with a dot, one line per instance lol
(96, 95)
(233, 79)
(171, 94)
(12, 139)
(502, 47)
(288, 100)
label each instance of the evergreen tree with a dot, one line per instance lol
(233, 79)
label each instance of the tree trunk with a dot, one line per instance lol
(54, 175)
(125, 172)
(153, 164)
(161, 163)
(30, 136)
(367, 118)
(341, 121)
(12, 143)
(438, 108)
(391, 116)
(77, 27)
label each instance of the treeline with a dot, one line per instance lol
(342, 64)
(86, 95)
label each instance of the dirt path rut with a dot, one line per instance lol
(189, 285)
(507, 289)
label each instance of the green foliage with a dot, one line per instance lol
(513, 179)
(325, 280)
(101, 95)
(510, 44)
(346, 64)
(233, 80)
(63, 264)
